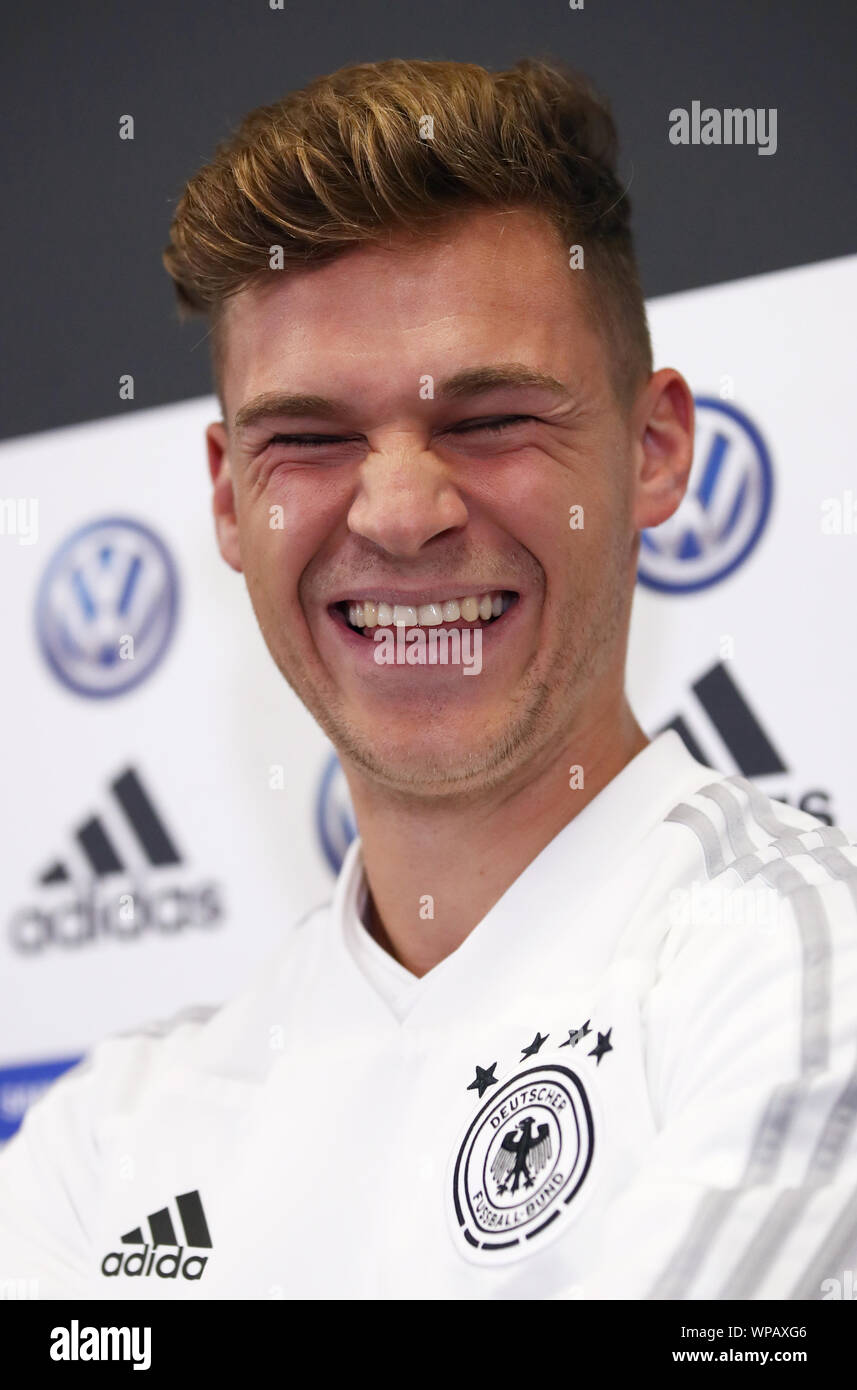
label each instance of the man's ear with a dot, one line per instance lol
(663, 447)
(223, 496)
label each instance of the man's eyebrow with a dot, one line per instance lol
(476, 381)
(472, 381)
(284, 403)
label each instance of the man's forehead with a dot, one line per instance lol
(497, 252)
(489, 286)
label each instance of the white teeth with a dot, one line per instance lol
(430, 614)
(367, 613)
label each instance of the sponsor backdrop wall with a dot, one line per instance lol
(170, 814)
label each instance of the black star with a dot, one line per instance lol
(534, 1045)
(484, 1079)
(603, 1045)
(575, 1035)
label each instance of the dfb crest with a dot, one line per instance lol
(521, 1162)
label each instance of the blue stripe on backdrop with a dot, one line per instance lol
(21, 1085)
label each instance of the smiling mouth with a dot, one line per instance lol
(470, 611)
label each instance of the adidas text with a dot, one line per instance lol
(81, 920)
(167, 1266)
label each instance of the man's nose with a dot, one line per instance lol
(406, 497)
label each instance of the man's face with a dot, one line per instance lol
(426, 480)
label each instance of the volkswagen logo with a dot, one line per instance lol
(106, 607)
(334, 814)
(723, 512)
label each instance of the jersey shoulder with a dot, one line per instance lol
(745, 840)
(120, 1069)
(755, 978)
(761, 903)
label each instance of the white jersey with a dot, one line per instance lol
(635, 1078)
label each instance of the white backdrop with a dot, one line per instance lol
(203, 729)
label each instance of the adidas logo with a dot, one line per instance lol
(128, 839)
(162, 1231)
(742, 735)
(98, 847)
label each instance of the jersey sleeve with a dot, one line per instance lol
(749, 1187)
(48, 1177)
(50, 1171)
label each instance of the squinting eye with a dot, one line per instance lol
(310, 441)
(304, 440)
(495, 426)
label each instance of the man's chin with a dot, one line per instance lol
(435, 760)
(425, 775)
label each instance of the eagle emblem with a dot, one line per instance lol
(520, 1162)
(523, 1157)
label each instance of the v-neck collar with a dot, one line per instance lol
(583, 856)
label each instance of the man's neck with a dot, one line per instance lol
(434, 873)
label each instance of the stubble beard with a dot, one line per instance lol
(543, 709)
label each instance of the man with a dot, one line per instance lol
(578, 1022)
